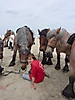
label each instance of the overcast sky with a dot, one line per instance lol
(37, 14)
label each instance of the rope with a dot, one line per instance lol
(9, 72)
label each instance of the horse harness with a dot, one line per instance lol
(43, 43)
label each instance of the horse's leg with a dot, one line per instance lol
(12, 63)
(38, 55)
(6, 43)
(69, 89)
(57, 67)
(66, 67)
(49, 62)
(44, 58)
(1, 68)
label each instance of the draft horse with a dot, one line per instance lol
(69, 89)
(6, 37)
(43, 44)
(22, 42)
(57, 38)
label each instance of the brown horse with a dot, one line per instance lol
(6, 37)
(43, 44)
(69, 89)
(22, 42)
(57, 38)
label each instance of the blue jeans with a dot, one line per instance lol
(26, 76)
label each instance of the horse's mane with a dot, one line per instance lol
(44, 32)
(30, 31)
(52, 33)
(24, 35)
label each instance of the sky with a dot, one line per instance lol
(37, 14)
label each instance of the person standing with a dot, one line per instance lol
(36, 73)
(11, 41)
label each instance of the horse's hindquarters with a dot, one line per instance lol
(72, 60)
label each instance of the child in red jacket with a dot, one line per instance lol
(36, 73)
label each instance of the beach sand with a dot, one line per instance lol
(14, 87)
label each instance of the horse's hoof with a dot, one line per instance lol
(11, 64)
(57, 67)
(68, 94)
(49, 63)
(65, 69)
(43, 62)
(9, 48)
(5, 46)
(1, 69)
(0, 73)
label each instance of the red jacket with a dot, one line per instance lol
(37, 71)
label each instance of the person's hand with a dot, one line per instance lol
(33, 86)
